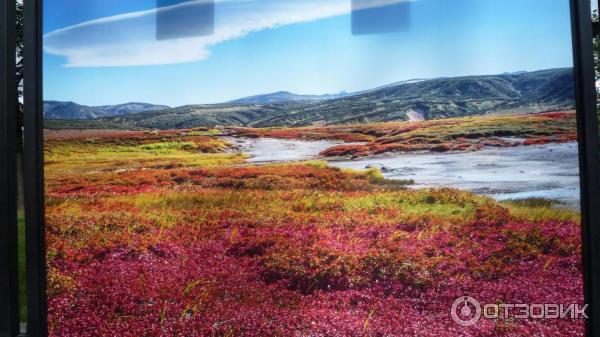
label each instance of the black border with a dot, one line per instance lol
(588, 147)
(589, 161)
(9, 282)
(33, 164)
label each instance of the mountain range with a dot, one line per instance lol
(522, 92)
(285, 96)
(71, 110)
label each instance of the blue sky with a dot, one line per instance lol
(105, 51)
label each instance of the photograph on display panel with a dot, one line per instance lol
(311, 168)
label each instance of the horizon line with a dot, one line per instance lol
(349, 93)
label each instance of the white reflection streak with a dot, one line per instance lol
(130, 39)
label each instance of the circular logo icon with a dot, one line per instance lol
(466, 311)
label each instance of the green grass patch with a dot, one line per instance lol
(536, 209)
(211, 132)
(168, 147)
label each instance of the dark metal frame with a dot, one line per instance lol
(589, 161)
(9, 282)
(34, 179)
(33, 162)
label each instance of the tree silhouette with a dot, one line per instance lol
(19, 77)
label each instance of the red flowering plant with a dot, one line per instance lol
(171, 234)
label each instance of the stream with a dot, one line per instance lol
(548, 171)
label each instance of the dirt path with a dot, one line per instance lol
(415, 116)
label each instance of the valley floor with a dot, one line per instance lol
(174, 233)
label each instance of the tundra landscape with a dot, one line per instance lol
(280, 215)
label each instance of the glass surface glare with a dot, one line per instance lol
(311, 168)
(184, 19)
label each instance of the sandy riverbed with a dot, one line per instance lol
(544, 171)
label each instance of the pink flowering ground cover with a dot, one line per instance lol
(181, 239)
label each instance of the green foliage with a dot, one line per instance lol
(167, 147)
(59, 124)
(541, 209)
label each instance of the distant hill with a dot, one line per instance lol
(522, 92)
(285, 96)
(129, 108)
(69, 110)
(442, 98)
(74, 111)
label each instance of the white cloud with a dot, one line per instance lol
(130, 39)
